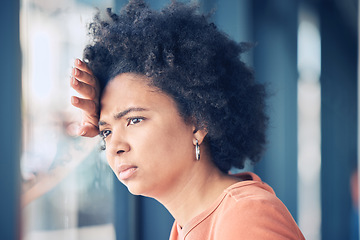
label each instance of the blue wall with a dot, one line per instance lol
(339, 120)
(275, 57)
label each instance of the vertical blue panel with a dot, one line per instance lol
(232, 17)
(127, 215)
(275, 32)
(157, 4)
(10, 119)
(119, 4)
(156, 221)
(339, 120)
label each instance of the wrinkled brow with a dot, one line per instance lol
(124, 113)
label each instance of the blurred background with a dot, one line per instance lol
(55, 185)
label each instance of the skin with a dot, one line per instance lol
(83, 81)
(144, 132)
(149, 146)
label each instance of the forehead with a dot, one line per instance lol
(132, 90)
(125, 82)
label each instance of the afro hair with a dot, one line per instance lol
(187, 57)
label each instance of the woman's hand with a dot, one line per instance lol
(84, 82)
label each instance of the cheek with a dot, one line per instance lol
(166, 146)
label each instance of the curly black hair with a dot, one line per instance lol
(188, 58)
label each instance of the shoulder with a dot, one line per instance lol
(250, 209)
(251, 199)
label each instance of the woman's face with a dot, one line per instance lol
(148, 145)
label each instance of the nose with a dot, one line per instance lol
(119, 152)
(117, 145)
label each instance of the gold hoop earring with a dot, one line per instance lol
(197, 150)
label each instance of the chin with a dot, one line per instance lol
(135, 189)
(134, 192)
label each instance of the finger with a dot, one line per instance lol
(88, 130)
(89, 127)
(88, 106)
(84, 76)
(86, 90)
(83, 66)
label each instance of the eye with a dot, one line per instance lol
(105, 133)
(134, 120)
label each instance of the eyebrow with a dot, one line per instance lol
(124, 113)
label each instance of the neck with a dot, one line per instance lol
(197, 190)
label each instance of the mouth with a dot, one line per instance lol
(125, 172)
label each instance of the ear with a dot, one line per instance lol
(199, 134)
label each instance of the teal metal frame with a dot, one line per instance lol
(10, 120)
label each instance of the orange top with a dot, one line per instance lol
(247, 210)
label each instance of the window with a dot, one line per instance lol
(67, 185)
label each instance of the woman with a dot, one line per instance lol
(177, 109)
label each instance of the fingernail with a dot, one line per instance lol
(74, 81)
(76, 72)
(82, 133)
(78, 62)
(74, 100)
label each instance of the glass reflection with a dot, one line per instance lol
(67, 185)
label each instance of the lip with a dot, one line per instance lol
(126, 171)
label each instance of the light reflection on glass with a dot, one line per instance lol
(309, 128)
(67, 185)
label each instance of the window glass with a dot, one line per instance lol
(67, 185)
